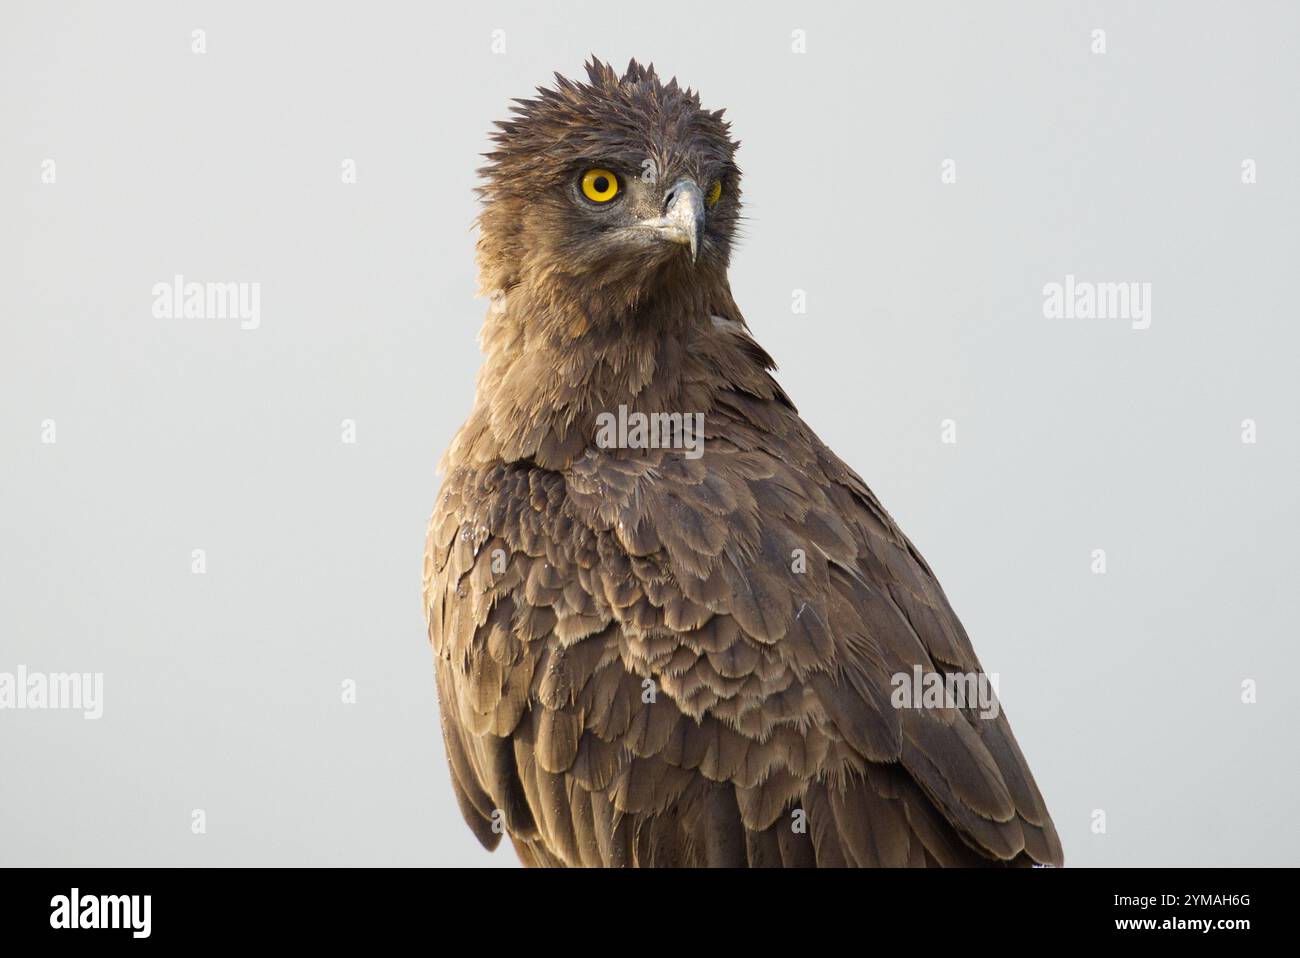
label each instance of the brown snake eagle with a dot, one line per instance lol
(677, 644)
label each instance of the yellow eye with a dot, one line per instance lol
(715, 193)
(599, 186)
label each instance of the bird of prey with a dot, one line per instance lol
(665, 646)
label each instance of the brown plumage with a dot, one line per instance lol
(650, 658)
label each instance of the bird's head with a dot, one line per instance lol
(612, 190)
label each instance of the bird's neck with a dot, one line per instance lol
(550, 370)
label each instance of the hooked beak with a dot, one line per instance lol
(683, 219)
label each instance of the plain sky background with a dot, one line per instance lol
(924, 303)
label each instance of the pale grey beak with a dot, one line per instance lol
(683, 219)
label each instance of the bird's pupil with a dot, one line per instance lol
(601, 184)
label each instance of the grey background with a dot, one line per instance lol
(924, 303)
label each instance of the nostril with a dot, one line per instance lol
(669, 197)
